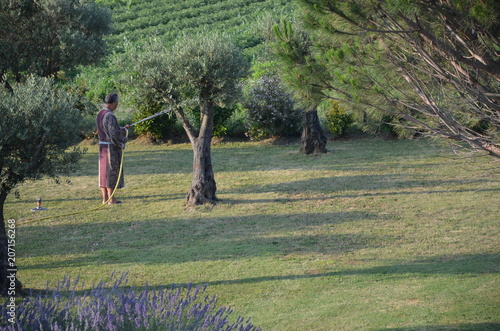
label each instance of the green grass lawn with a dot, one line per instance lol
(374, 235)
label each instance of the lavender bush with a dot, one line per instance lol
(113, 306)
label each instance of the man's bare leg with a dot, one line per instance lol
(110, 192)
(105, 195)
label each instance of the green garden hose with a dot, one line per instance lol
(165, 111)
(92, 209)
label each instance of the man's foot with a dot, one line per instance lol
(114, 202)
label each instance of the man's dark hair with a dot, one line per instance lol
(111, 98)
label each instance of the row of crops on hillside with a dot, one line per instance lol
(167, 18)
(184, 8)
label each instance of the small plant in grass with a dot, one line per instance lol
(113, 306)
(337, 119)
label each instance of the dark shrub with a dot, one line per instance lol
(271, 110)
(159, 128)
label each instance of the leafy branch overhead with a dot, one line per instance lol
(433, 66)
(45, 37)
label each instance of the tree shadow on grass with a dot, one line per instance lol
(213, 251)
(97, 198)
(187, 240)
(147, 162)
(344, 196)
(325, 185)
(468, 264)
(165, 160)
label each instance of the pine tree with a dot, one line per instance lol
(434, 66)
(302, 76)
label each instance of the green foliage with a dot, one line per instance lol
(266, 68)
(168, 19)
(221, 116)
(159, 128)
(87, 108)
(271, 110)
(336, 119)
(299, 69)
(236, 125)
(430, 66)
(485, 12)
(196, 76)
(45, 37)
(208, 66)
(38, 123)
(127, 3)
(96, 82)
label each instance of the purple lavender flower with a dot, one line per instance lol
(118, 307)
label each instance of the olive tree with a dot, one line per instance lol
(45, 37)
(37, 121)
(38, 125)
(196, 73)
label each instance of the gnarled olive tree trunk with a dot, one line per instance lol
(203, 186)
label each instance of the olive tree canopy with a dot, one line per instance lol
(46, 36)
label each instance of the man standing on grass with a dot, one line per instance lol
(111, 143)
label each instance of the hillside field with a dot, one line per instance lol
(166, 19)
